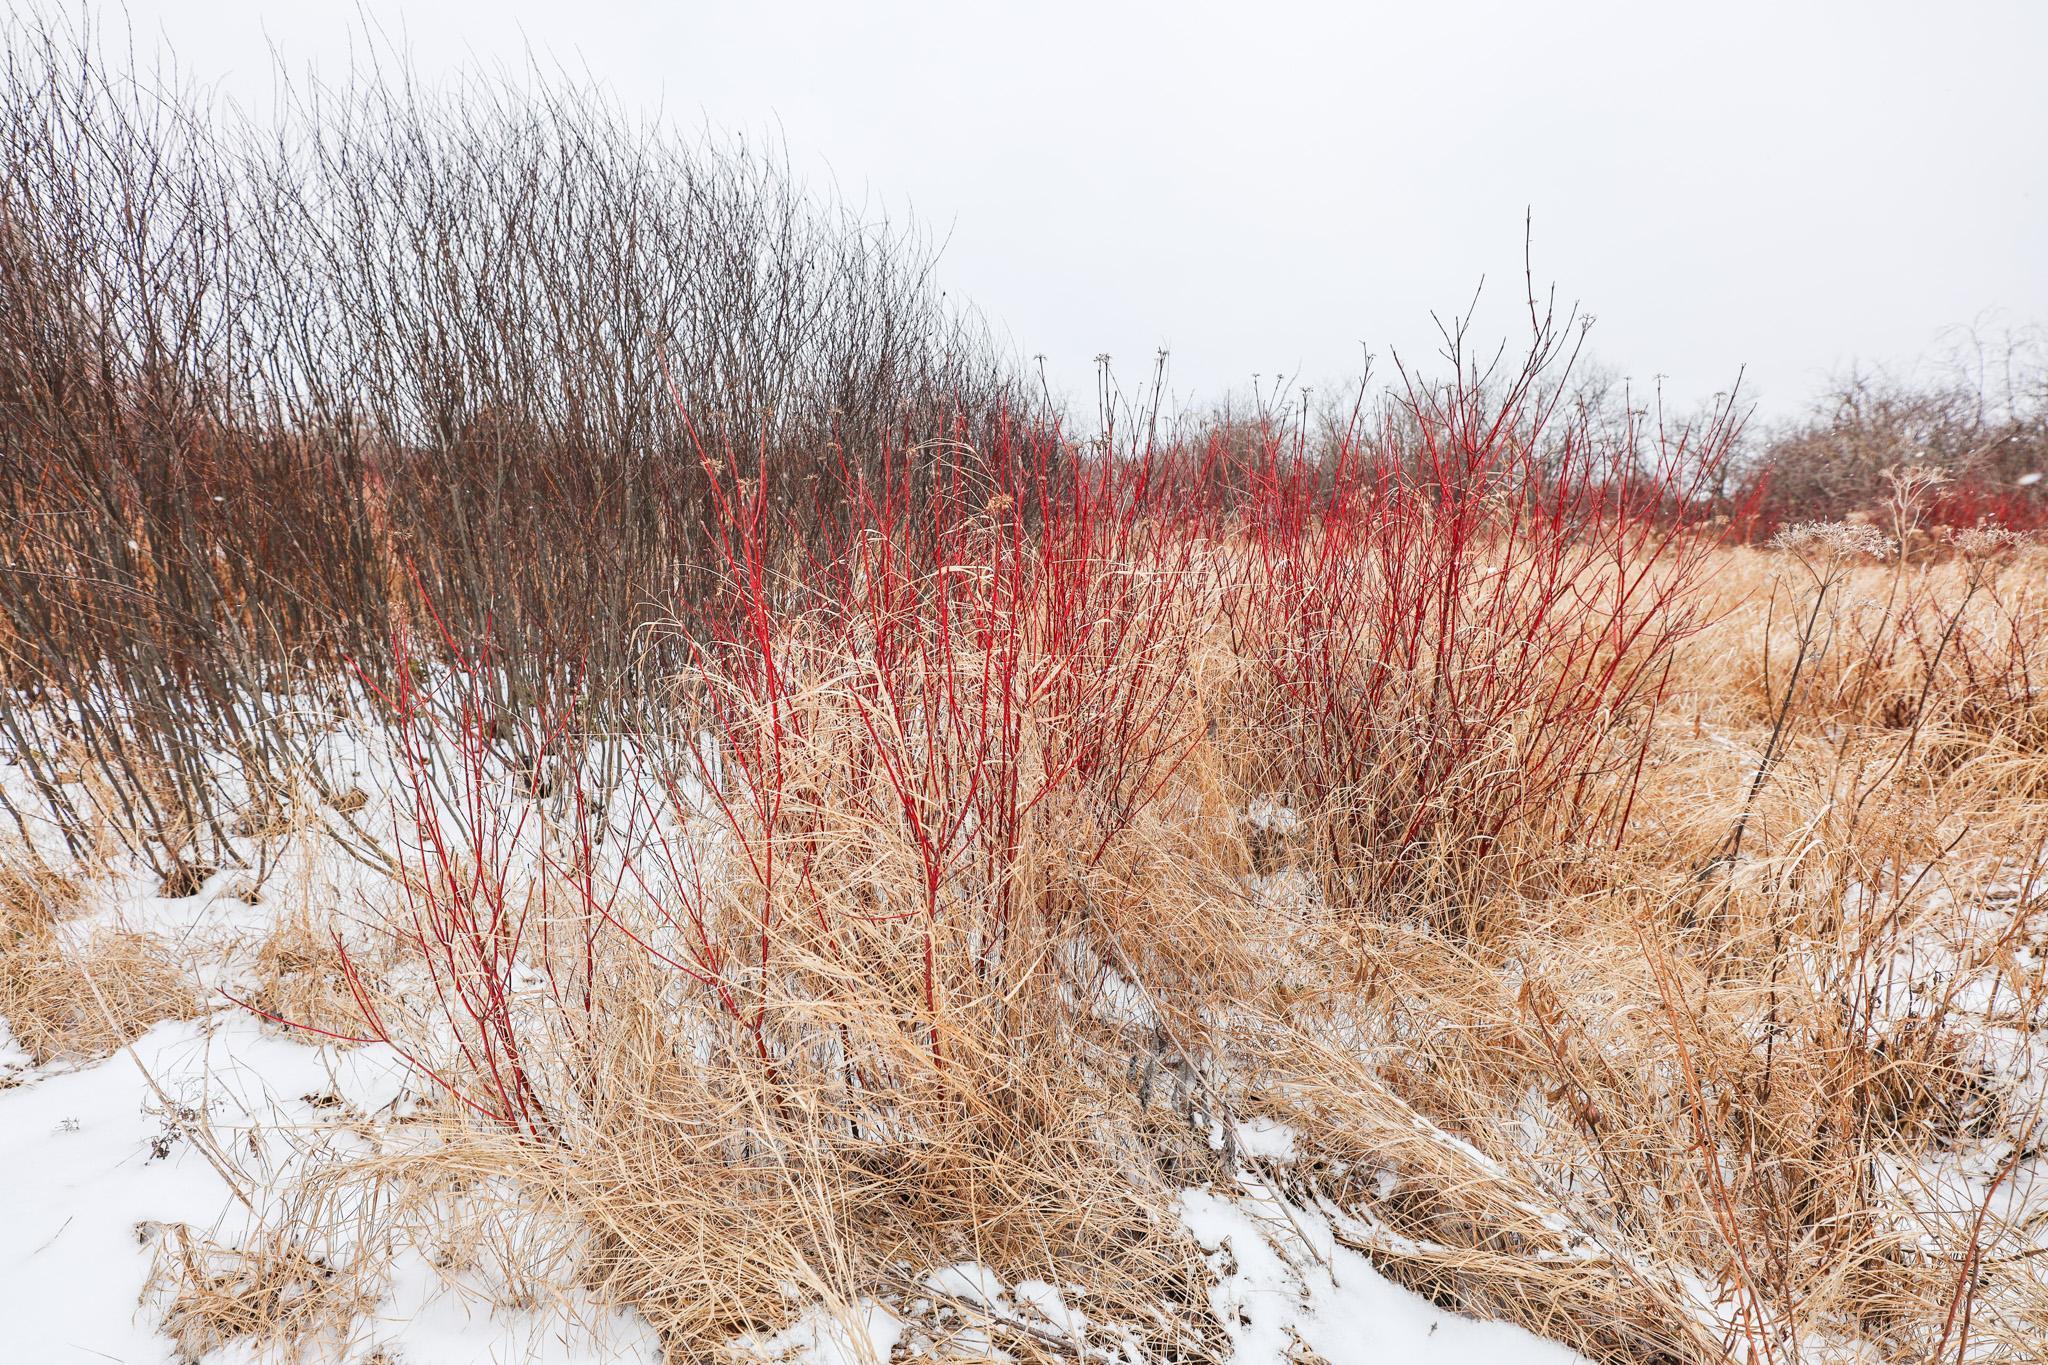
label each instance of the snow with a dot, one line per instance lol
(80, 1178)
(1276, 1293)
(1045, 1301)
(865, 1333)
(209, 1123)
(420, 1322)
(1265, 1139)
(97, 1159)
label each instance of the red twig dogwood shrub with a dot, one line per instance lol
(998, 640)
(1973, 502)
(932, 710)
(848, 901)
(1463, 624)
(470, 919)
(905, 734)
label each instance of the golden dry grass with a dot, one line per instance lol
(1664, 1098)
(272, 1295)
(77, 996)
(301, 977)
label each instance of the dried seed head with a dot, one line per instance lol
(1834, 540)
(1910, 480)
(1975, 542)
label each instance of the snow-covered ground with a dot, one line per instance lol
(103, 1161)
(200, 1132)
(96, 1163)
(203, 1132)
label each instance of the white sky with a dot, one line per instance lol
(1794, 186)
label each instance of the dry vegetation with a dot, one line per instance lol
(1719, 1041)
(813, 824)
(72, 996)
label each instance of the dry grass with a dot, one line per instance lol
(301, 976)
(273, 1296)
(1704, 1091)
(74, 997)
(1658, 1098)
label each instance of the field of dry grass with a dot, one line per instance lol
(585, 757)
(1746, 1069)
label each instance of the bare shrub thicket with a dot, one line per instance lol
(1983, 431)
(262, 386)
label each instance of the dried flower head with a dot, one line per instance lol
(1909, 480)
(1834, 540)
(1976, 542)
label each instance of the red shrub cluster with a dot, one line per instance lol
(936, 711)
(1449, 629)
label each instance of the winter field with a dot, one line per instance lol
(592, 773)
(767, 1038)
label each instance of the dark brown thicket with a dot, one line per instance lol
(1987, 442)
(261, 387)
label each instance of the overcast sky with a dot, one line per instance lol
(1788, 187)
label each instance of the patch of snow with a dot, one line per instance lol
(864, 1333)
(1275, 1296)
(91, 1158)
(1042, 1300)
(1266, 1139)
(420, 1323)
(88, 1156)
(969, 1282)
(1266, 813)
